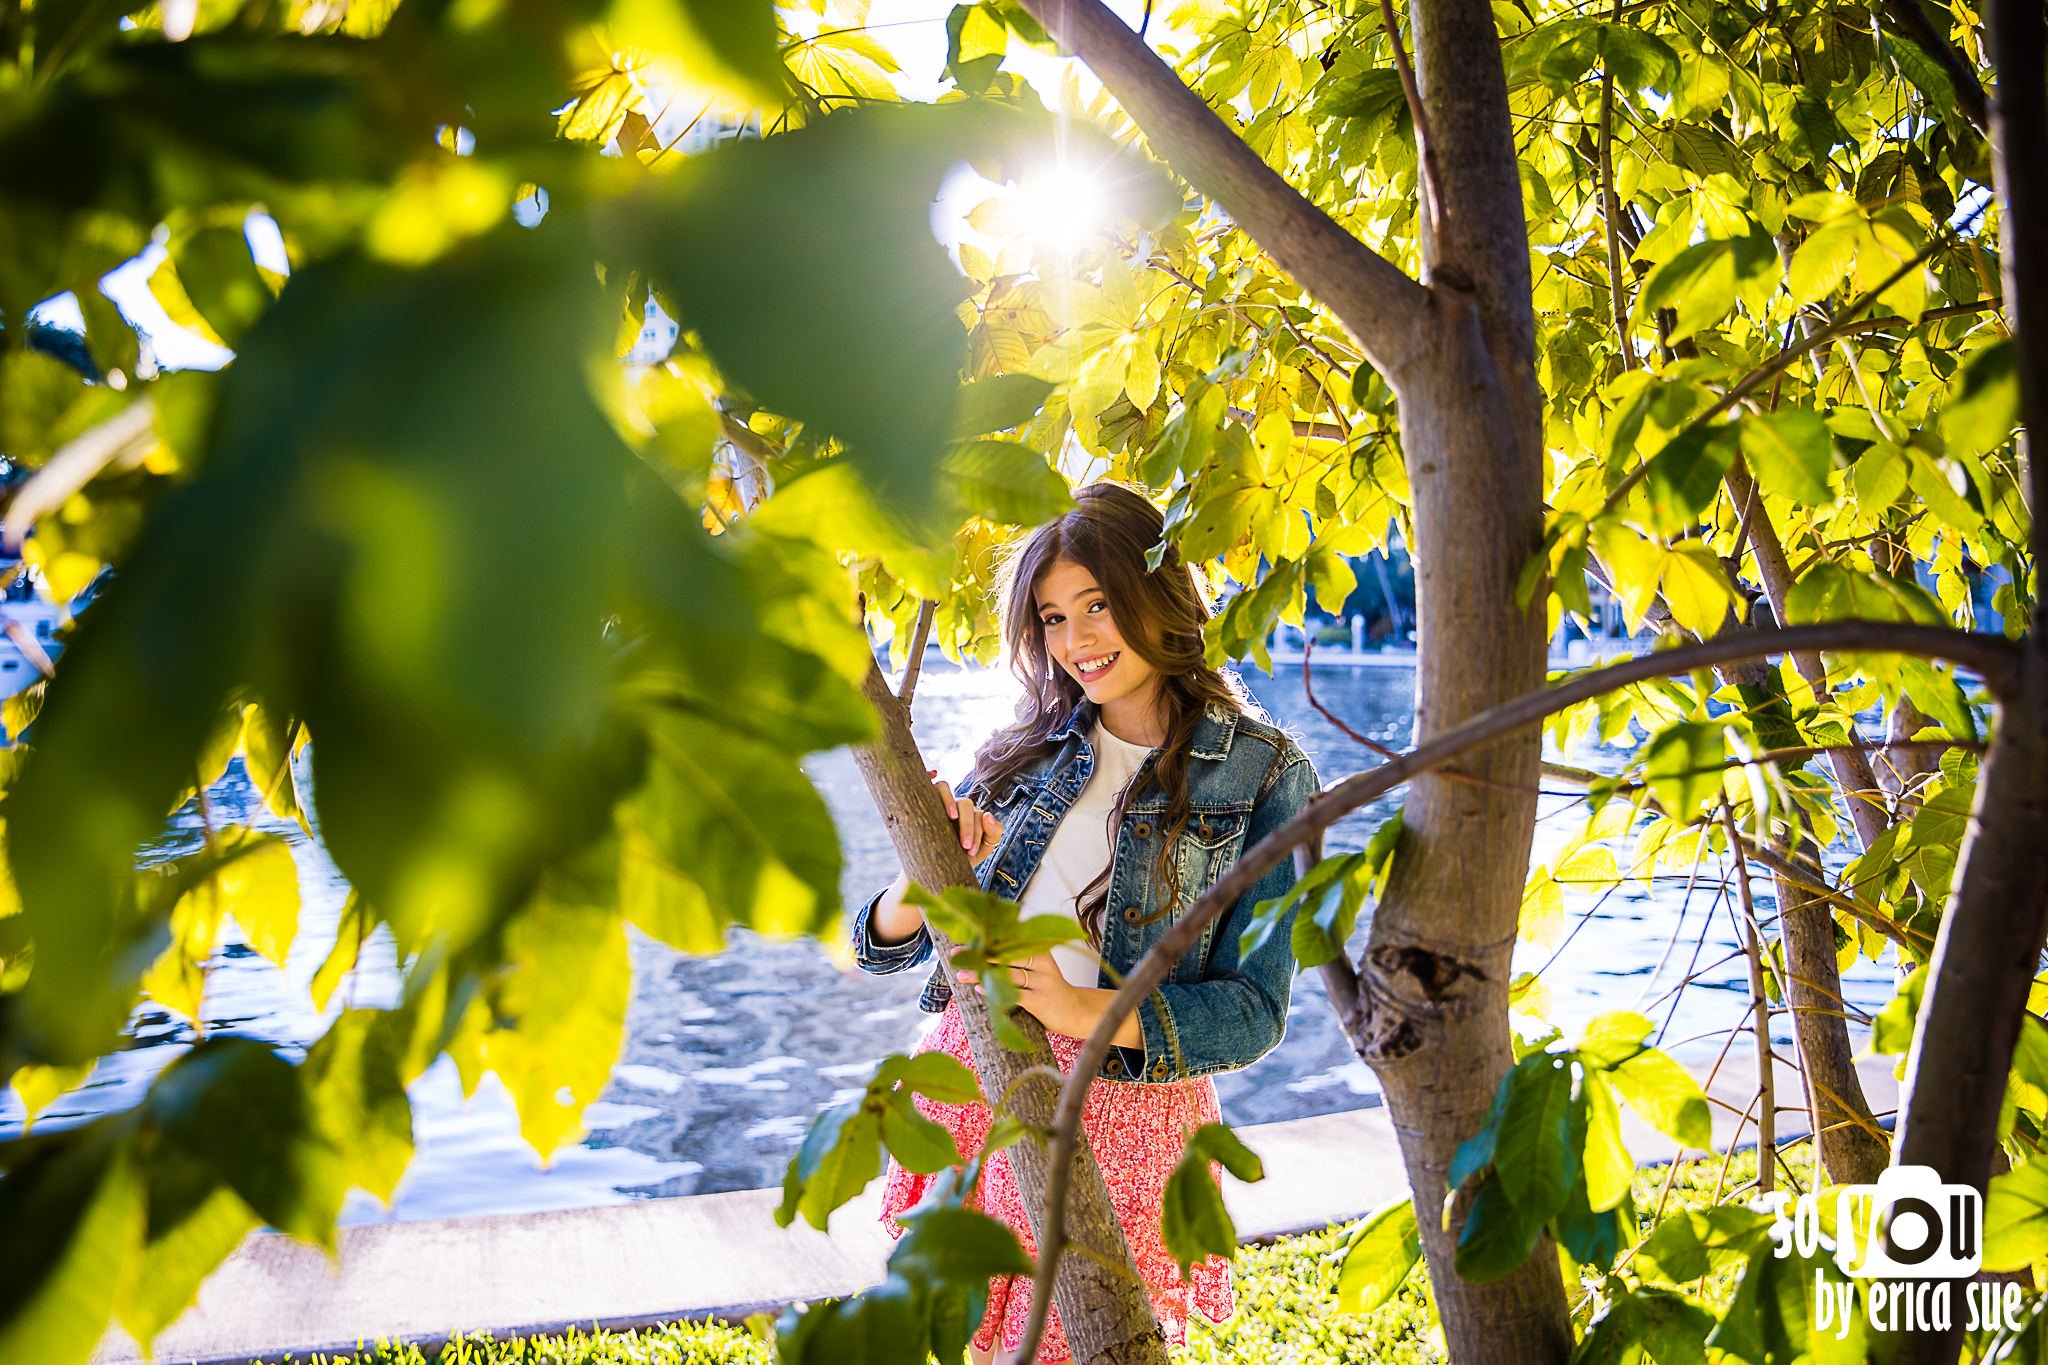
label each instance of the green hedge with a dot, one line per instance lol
(1286, 1301)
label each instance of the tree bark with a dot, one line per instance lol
(1989, 946)
(1434, 981)
(1101, 1299)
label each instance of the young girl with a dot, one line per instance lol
(1133, 777)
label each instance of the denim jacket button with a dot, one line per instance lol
(1144, 831)
(1159, 1069)
(1131, 913)
(1116, 1066)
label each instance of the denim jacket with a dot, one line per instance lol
(1216, 1010)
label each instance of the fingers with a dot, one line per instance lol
(946, 795)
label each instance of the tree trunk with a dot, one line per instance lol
(1434, 981)
(1989, 946)
(1101, 1299)
(1851, 1146)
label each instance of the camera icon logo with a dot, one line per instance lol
(1909, 1225)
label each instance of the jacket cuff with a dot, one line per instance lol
(883, 959)
(1162, 1060)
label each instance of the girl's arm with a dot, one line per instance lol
(1237, 1013)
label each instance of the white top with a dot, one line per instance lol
(1079, 850)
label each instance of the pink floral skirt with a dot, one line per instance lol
(1137, 1133)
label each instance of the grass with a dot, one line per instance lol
(1286, 1307)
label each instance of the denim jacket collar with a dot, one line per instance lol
(1213, 732)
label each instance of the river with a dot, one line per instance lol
(728, 1057)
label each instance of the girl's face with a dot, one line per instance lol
(1082, 638)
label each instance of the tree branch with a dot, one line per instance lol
(1994, 656)
(1610, 212)
(2020, 121)
(914, 665)
(1910, 22)
(1425, 145)
(1374, 300)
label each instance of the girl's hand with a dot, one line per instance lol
(979, 831)
(1044, 992)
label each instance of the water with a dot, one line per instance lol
(728, 1057)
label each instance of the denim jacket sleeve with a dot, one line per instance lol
(1237, 1012)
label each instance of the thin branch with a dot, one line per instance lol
(1425, 144)
(1373, 299)
(1766, 1074)
(121, 441)
(1995, 657)
(1610, 212)
(919, 638)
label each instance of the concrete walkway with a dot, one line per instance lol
(721, 1255)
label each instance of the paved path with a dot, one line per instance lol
(721, 1255)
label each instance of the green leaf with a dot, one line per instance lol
(1003, 481)
(1608, 1165)
(1378, 1258)
(1683, 764)
(1696, 589)
(1823, 260)
(2016, 1218)
(267, 744)
(1685, 476)
(1000, 403)
(1613, 1038)
(1216, 1142)
(1591, 1238)
(461, 679)
(1689, 1243)
(194, 1224)
(1791, 453)
(1532, 1153)
(1772, 1315)
(562, 998)
(1192, 1218)
(1667, 1097)
(917, 1143)
(1983, 402)
(1699, 282)
(740, 37)
(840, 1154)
(356, 1076)
(742, 821)
(1496, 1238)
(1829, 592)
(934, 1074)
(948, 1243)
(220, 277)
(71, 1229)
(243, 1113)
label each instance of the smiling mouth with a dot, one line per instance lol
(1095, 668)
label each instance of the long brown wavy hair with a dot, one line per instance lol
(1159, 612)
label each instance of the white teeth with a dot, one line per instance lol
(1096, 665)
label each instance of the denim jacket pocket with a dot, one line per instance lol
(1207, 848)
